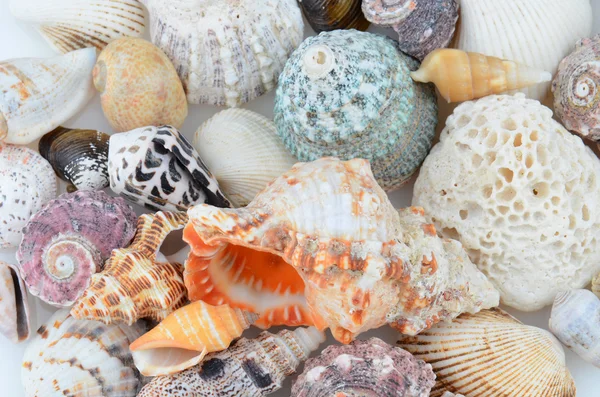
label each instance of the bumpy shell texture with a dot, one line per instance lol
(349, 94)
(14, 308)
(364, 368)
(38, 95)
(326, 15)
(157, 167)
(138, 86)
(69, 357)
(69, 25)
(27, 184)
(249, 368)
(227, 52)
(363, 263)
(576, 89)
(521, 194)
(68, 240)
(492, 354)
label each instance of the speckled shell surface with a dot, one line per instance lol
(492, 354)
(249, 368)
(363, 263)
(68, 240)
(158, 167)
(69, 25)
(138, 86)
(364, 368)
(520, 193)
(349, 94)
(37, 95)
(27, 182)
(326, 15)
(14, 307)
(68, 357)
(227, 52)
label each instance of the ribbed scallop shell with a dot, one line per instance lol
(182, 339)
(492, 354)
(326, 15)
(242, 150)
(28, 183)
(68, 240)
(14, 308)
(249, 368)
(227, 52)
(69, 357)
(537, 33)
(69, 25)
(136, 281)
(39, 94)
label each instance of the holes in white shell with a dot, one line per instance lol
(480, 120)
(518, 141)
(464, 214)
(509, 124)
(450, 232)
(540, 190)
(476, 160)
(507, 174)
(585, 213)
(507, 194)
(462, 121)
(534, 136)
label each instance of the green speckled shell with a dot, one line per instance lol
(367, 106)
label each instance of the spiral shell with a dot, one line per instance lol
(326, 15)
(14, 308)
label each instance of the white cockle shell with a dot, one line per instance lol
(14, 308)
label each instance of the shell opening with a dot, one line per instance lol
(21, 308)
(64, 257)
(318, 61)
(166, 361)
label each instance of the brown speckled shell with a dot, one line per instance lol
(325, 15)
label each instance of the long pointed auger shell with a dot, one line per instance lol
(14, 308)
(182, 339)
(38, 95)
(135, 282)
(462, 76)
(69, 25)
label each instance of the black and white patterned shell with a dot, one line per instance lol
(158, 168)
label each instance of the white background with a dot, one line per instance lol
(18, 40)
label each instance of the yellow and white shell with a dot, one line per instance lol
(14, 308)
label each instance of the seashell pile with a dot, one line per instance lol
(14, 308)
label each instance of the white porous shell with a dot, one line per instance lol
(538, 33)
(242, 150)
(69, 25)
(39, 94)
(14, 308)
(522, 195)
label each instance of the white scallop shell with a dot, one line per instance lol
(538, 33)
(14, 308)
(575, 321)
(39, 94)
(69, 25)
(492, 354)
(243, 151)
(27, 182)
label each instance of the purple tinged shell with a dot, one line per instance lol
(68, 240)
(365, 368)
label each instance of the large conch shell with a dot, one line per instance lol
(462, 76)
(70, 357)
(136, 282)
(38, 94)
(69, 25)
(182, 339)
(363, 263)
(14, 308)
(249, 368)
(492, 354)
(227, 52)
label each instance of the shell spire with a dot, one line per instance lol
(249, 368)
(462, 76)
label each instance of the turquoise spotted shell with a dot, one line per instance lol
(348, 94)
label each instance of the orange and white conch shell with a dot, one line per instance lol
(183, 339)
(462, 76)
(363, 263)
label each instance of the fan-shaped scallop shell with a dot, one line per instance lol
(349, 94)
(364, 368)
(68, 240)
(79, 157)
(492, 354)
(249, 368)
(227, 52)
(326, 15)
(69, 25)
(27, 184)
(14, 308)
(39, 94)
(242, 150)
(157, 167)
(185, 336)
(69, 357)
(137, 281)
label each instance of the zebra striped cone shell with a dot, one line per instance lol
(14, 308)
(182, 339)
(136, 282)
(68, 357)
(492, 354)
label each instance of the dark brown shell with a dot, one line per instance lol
(326, 15)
